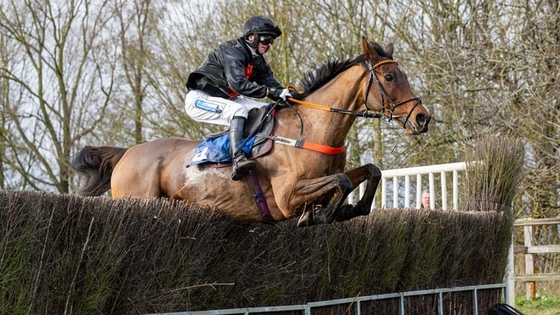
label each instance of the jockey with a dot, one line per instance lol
(232, 72)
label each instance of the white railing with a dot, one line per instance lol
(353, 304)
(401, 186)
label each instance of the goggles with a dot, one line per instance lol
(266, 39)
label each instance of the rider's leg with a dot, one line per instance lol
(202, 107)
(241, 165)
(205, 108)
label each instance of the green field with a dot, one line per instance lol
(543, 305)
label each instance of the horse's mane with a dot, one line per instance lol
(314, 79)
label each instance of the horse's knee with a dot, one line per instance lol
(374, 171)
(345, 184)
(377, 172)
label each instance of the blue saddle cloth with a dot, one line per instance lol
(216, 150)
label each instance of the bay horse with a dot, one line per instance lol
(295, 181)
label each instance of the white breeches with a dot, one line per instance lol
(216, 110)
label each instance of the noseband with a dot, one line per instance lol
(384, 94)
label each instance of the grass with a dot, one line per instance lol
(542, 305)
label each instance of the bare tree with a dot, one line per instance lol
(532, 112)
(55, 71)
(4, 88)
(185, 35)
(138, 22)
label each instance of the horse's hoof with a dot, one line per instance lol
(304, 220)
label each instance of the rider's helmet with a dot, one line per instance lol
(260, 26)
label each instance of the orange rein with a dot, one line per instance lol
(366, 113)
(323, 107)
(323, 148)
(304, 144)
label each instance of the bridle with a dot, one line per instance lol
(384, 94)
(368, 113)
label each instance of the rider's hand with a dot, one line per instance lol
(285, 93)
(278, 94)
(295, 94)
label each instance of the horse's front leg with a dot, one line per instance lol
(328, 193)
(372, 175)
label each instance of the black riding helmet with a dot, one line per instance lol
(260, 26)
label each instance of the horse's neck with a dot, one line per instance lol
(346, 91)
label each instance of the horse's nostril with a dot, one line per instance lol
(422, 120)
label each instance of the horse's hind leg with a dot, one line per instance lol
(372, 175)
(136, 177)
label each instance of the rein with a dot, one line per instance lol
(367, 113)
(300, 143)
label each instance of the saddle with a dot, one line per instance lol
(214, 150)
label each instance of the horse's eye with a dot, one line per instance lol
(389, 77)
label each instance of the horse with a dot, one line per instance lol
(305, 181)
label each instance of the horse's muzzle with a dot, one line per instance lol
(420, 124)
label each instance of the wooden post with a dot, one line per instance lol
(531, 286)
(510, 289)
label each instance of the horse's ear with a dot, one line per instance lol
(369, 51)
(365, 46)
(389, 49)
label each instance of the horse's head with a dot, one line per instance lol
(388, 90)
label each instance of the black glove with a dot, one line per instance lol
(278, 94)
(296, 94)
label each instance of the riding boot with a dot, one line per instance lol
(241, 165)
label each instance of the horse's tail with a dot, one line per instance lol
(97, 164)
